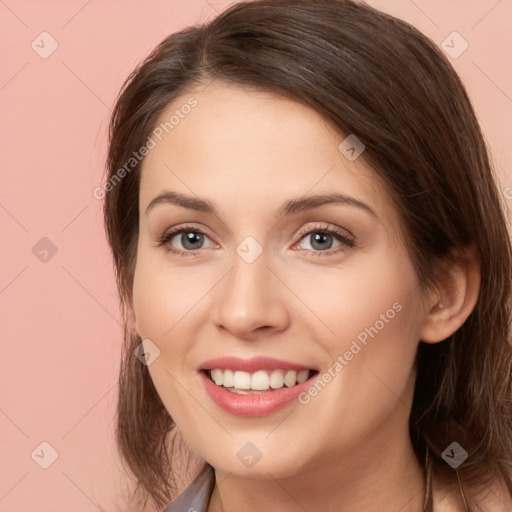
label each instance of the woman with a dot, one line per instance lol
(314, 268)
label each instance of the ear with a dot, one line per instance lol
(449, 306)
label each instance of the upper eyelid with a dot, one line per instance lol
(319, 226)
(327, 227)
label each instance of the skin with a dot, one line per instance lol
(349, 447)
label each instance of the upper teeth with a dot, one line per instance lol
(260, 380)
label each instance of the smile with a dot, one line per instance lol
(254, 387)
(243, 382)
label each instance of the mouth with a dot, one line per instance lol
(258, 386)
(257, 382)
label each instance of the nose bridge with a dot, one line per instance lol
(249, 298)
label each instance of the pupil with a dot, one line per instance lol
(318, 237)
(191, 238)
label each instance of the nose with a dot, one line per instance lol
(251, 300)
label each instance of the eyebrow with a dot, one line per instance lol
(289, 207)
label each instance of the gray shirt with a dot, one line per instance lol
(196, 497)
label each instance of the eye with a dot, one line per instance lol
(321, 240)
(190, 238)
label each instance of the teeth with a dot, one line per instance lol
(261, 380)
(217, 377)
(302, 376)
(227, 378)
(241, 380)
(290, 379)
(276, 379)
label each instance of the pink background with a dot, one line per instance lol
(60, 325)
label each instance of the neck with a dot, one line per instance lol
(376, 475)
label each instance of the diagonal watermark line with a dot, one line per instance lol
(76, 14)
(71, 71)
(198, 402)
(292, 497)
(14, 423)
(486, 14)
(214, 77)
(410, 499)
(369, 369)
(280, 423)
(303, 195)
(13, 279)
(92, 501)
(170, 170)
(74, 218)
(207, 2)
(418, 285)
(419, 193)
(220, 482)
(424, 13)
(14, 76)
(4, 4)
(13, 217)
(508, 508)
(301, 300)
(91, 295)
(463, 494)
(198, 301)
(89, 410)
(14, 485)
(492, 81)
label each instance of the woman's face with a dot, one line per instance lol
(267, 272)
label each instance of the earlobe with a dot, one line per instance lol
(455, 299)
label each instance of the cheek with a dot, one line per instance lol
(149, 300)
(163, 300)
(164, 297)
(374, 292)
(367, 318)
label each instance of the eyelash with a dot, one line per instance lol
(164, 239)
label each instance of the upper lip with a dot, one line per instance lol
(251, 365)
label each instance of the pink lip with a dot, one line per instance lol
(251, 365)
(253, 405)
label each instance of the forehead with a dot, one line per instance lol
(240, 143)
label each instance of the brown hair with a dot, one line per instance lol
(377, 77)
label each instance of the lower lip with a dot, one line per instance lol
(260, 404)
